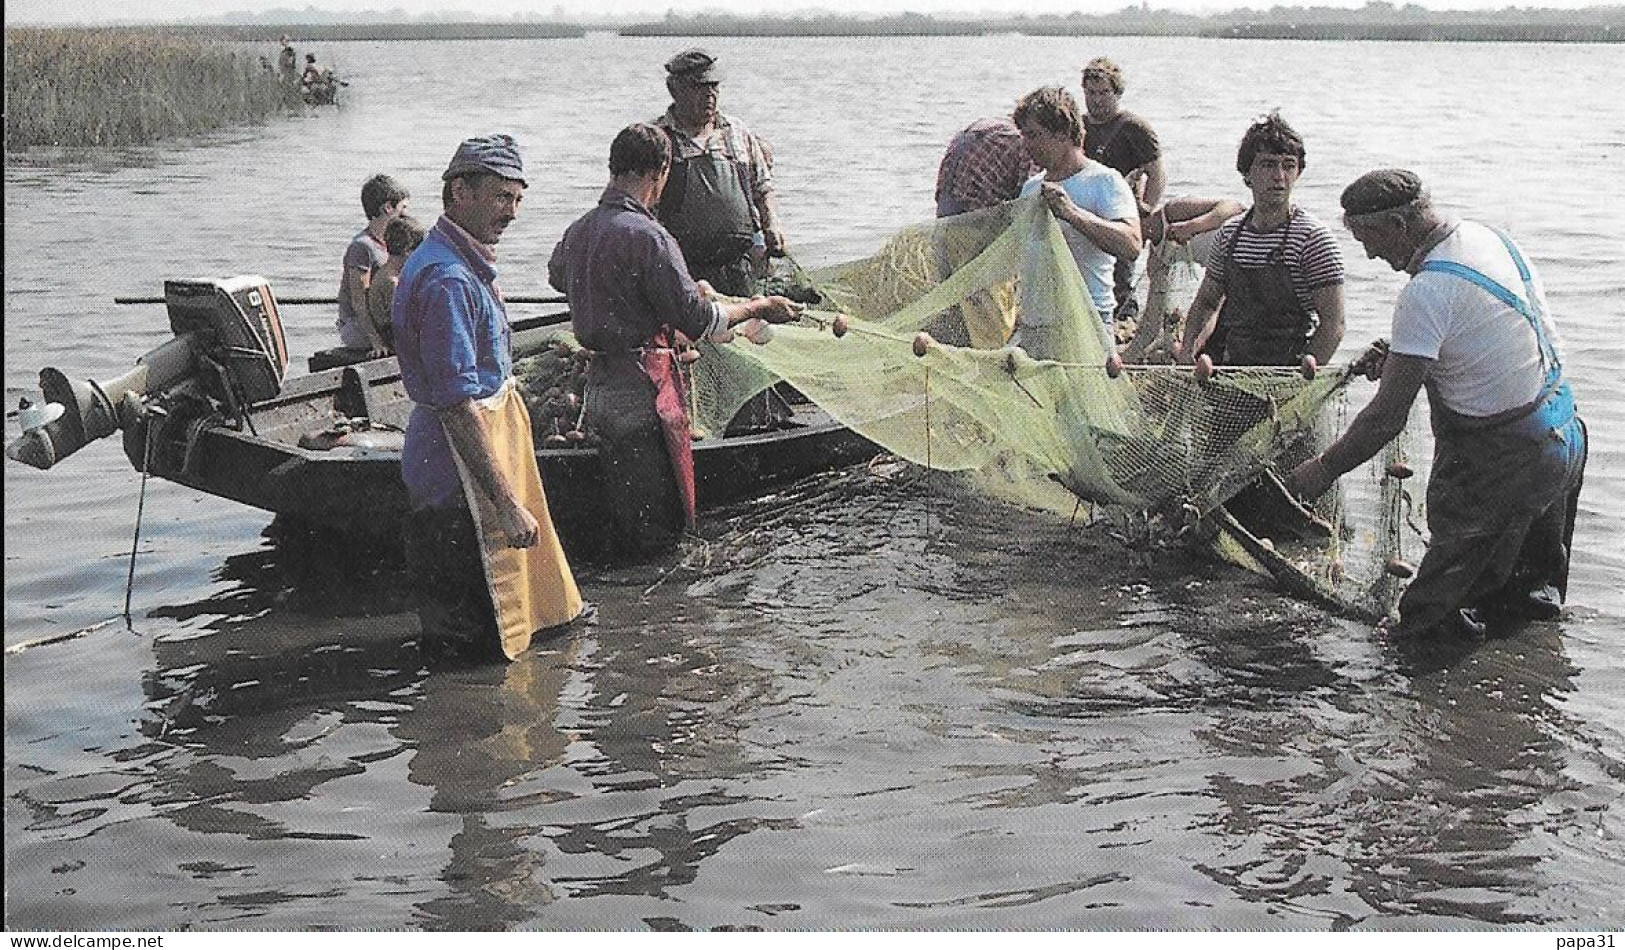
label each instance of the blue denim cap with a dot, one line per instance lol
(497, 154)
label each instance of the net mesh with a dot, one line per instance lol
(931, 367)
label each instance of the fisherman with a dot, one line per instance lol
(288, 61)
(1473, 328)
(629, 292)
(1093, 202)
(383, 199)
(721, 199)
(1119, 139)
(311, 77)
(986, 163)
(1273, 291)
(485, 563)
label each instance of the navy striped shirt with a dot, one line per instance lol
(1308, 247)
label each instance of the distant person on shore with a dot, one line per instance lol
(1119, 139)
(986, 163)
(402, 236)
(486, 567)
(720, 196)
(1474, 328)
(629, 293)
(1093, 203)
(288, 61)
(312, 74)
(383, 199)
(1273, 291)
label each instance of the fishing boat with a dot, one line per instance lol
(214, 410)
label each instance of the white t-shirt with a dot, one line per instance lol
(1486, 357)
(1101, 191)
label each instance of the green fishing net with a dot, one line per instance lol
(1036, 419)
(970, 345)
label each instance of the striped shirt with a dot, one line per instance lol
(1307, 246)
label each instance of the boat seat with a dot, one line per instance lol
(337, 356)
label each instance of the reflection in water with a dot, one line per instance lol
(872, 702)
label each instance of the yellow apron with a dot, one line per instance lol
(531, 588)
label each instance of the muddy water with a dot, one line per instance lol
(871, 701)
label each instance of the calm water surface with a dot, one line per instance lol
(874, 701)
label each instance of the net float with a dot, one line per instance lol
(1114, 366)
(1399, 567)
(555, 441)
(922, 343)
(688, 356)
(1398, 469)
(575, 436)
(1204, 368)
(1309, 367)
(696, 433)
(840, 325)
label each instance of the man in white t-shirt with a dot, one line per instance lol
(1473, 327)
(1097, 211)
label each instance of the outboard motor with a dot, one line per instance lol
(228, 348)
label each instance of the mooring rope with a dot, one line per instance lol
(140, 510)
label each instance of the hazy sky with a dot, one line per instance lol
(95, 11)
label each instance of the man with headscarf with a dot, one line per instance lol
(468, 461)
(1474, 329)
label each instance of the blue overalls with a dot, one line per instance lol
(1502, 495)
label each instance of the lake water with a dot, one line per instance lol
(880, 704)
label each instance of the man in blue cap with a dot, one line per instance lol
(452, 335)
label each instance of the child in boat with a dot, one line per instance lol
(401, 237)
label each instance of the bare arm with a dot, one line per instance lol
(1329, 305)
(1156, 182)
(1189, 217)
(465, 427)
(1377, 424)
(1117, 238)
(771, 309)
(1199, 320)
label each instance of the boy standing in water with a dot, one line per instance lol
(383, 199)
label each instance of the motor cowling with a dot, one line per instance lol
(228, 342)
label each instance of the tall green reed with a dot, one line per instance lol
(78, 87)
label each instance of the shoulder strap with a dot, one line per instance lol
(1548, 353)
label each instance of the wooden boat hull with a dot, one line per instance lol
(355, 487)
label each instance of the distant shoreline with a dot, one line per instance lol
(1376, 21)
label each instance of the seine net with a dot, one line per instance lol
(970, 345)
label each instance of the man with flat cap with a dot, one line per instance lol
(719, 197)
(486, 565)
(1474, 329)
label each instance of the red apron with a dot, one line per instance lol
(659, 362)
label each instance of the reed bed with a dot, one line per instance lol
(78, 87)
